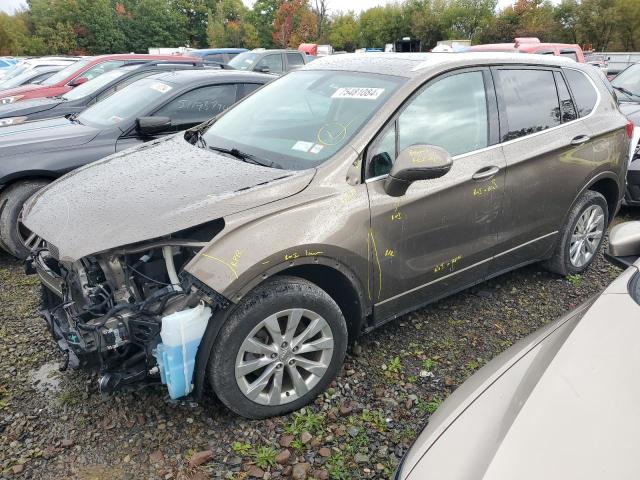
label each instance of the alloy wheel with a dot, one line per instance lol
(284, 356)
(586, 236)
(29, 239)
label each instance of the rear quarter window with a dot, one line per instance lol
(583, 91)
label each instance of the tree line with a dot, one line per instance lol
(110, 26)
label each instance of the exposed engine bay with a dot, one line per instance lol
(105, 311)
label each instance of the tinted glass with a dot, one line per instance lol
(303, 118)
(567, 108)
(451, 113)
(124, 106)
(4, 64)
(382, 153)
(101, 68)
(583, 92)
(198, 105)
(93, 86)
(244, 61)
(247, 88)
(66, 72)
(569, 54)
(272, 62)
(531, 101)
(295, 60)
(215, 57)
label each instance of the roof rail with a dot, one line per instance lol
(177, 61)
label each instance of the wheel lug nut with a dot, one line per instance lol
(274, 355)
(284, 344)
(292, 362)
(279, 365)
(295, 349)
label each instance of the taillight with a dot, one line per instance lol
(630, 127)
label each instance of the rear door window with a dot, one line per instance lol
(530, 101)
(583, 91)
(294, 60)
(215, 57)
(569, 54)
(198, 105)
(101, 68)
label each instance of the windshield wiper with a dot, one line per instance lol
(245, 157)
(625, 91)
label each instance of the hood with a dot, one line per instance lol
(151, 191)
(28, 107)
(561, 404)
(18, 90)
(50, 134)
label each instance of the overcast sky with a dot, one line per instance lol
(335, 5)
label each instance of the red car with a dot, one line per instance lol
(75, 74)
(533, 45)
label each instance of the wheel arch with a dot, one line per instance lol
(10, 180)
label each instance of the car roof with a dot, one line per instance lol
(420, 64)
(206, 51)
(185, 77)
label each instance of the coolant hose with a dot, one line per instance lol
(167, 253)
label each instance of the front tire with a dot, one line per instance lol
(15, 237)
(582, 235)
(281, 347)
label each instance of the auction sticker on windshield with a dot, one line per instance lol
(365, 93)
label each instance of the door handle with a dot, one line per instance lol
(580, 139)
(486, 172)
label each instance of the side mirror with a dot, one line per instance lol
(624, 244)
(78, 81)
(264, 69)
(417, 162)
(152, 125)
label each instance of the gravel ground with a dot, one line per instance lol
(57, 425)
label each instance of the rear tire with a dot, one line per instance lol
(582, 235)
(12, 234)
(297, 327)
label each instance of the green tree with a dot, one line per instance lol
(153, 23)
(466, 19)
(14, 36)
(97, 27)
(261, 17)
(382, 25)
(344, 32)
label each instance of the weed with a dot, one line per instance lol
(429, 364)
(337, 467)
(375, 418)
(394, 368)
(305, 421)
(574, 280)
(265, 457)
(241, 448)
(297, 444)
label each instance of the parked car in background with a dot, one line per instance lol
(332, 200)
(28, 64)
(75, 74)
(35, 153)
(598, 60)
(619, 61)
(221, 55)
(627, 87)
(7, 62)
(92, 92)
(270, 61)
(532, 45)
(542, 408)
(35, 76)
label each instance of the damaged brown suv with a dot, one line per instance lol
(248, 252)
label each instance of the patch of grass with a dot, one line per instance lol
(394, 368)
(431, 406)
(241, 448)
(375, 418)
(297, 444)
(305, 421)
(67, 397)
(337, 467)
(265, 457)
(429, 364)
(574, 280)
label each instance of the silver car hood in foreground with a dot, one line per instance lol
(157, 189)
(561, 404)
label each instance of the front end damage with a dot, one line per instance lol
(106, 311)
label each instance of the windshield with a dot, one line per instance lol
(13, 72)
(17, 80)
(302, 119)
(93, 85)
(244, 61)
(629, 79)
(126, 104)
(66, 71)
